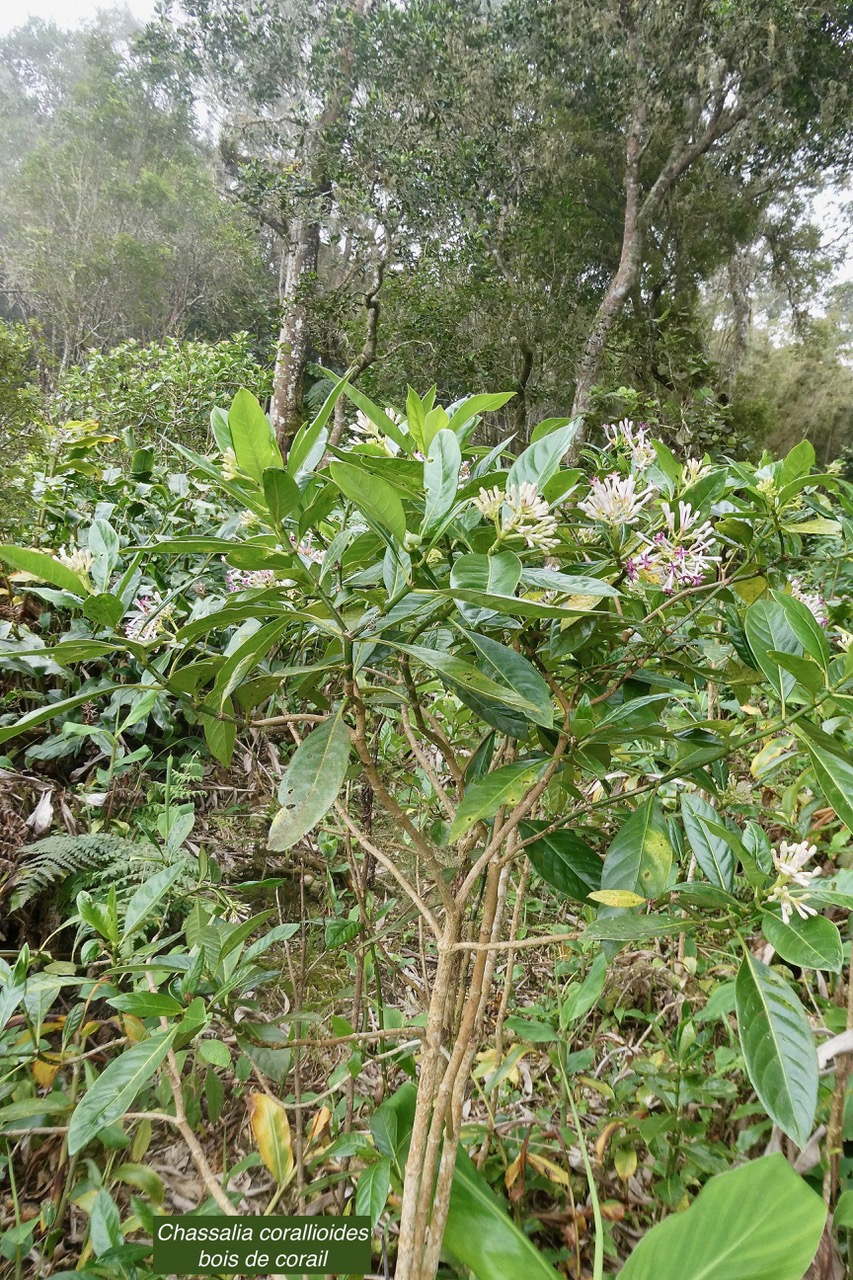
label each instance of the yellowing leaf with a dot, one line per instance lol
(511, 1175)
(45, 1068)
(271, 1128)
(319, 1126)
(133, 1027)
(548, 1168)
(617, 898)
(625, 1162)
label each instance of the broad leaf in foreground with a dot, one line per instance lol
(778, 1047)
(758, 1222)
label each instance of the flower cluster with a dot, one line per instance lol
(521, 511)
(148, 619)
(246, 579)
(789, 861)
(813, 601)
(694, 469)
(80, 560)
(634, 440)
(615, 500)
(230, 465)
(305, 550)
(679, 555)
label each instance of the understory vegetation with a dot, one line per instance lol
(414, 810)
(426, 635)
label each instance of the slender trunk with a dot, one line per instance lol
(300, 266)
(621, 283)
(294, 340)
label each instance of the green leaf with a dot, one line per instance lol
(569, 584)
(104, 546)
(805, 626)
(282, 493)
(767, 628)
(45, 568)
(758, 1222)
(104, 1223)
(47, 712)
(114, 1091)
(505, 786)
(147, 1004)
(498, 575)
(441, 478)
(804, 670)
(377, 416)
(819, 526)
(311, 783)
(475, 405)
(220, 735)
(215, 1052)
(629, 928)
(711, 851)
(481, 1234)
(252, 436)
(582, 997)
(778, 1048)
(540, 460)
(814, 943)
(105, 610)
(375, 498)
(148, 896)
(371, 1191)
(564, 860)
(245, 658)
(640, 855)
(834, 773)
(463, 676)
(509, 668)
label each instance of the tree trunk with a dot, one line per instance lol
(621, 283)
(299, 266)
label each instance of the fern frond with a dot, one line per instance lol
(57, 858)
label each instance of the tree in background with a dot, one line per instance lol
(112, 226)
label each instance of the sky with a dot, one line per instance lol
(66, 13)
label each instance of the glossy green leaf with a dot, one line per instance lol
(767, 628)
(834, 772)
(814, 943)
(640, 855)
(778, 1047)
(474, 405)
(371, 1190)
(105, 610)
(505, 666)
(540, 460)
(311, 782)
(441, 478)
(282, 493)
(146, 899)
(758, 1222)
(460, 674)
(570, 584)
(481, 1235)
(375, 498)
(245, 658)
(564, 860)
(711, 851)
(45, 568)
(804, 625)
(252, 436)
(221, 735)
(496, 575)
(505, 786)
(115, 1089)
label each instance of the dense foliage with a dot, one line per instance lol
(501, 713)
